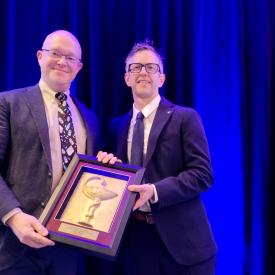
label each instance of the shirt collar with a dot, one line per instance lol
(149, 108)
(44, 87)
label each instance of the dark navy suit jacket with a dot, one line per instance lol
(25, 159)
(178, 163)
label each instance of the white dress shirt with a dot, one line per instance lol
(51, 108)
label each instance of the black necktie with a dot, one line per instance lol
(66, 130)
(138, 141)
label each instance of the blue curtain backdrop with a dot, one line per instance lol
(219, 59)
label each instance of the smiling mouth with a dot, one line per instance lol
(143, 82)
(60, 70)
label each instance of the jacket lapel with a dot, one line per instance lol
(163, 113)
(35, 103)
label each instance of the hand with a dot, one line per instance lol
(107, 158)
(146, 192)
(29, 230)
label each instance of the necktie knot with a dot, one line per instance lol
(61, 97)
(140, 116)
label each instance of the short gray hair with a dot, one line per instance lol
(145, 45)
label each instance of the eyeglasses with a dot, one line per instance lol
(151, 68)
(56, 55)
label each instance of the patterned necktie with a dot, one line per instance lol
(138, 141)
(66, 130)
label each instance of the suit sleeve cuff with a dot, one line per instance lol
(10, 214)
(155, 198)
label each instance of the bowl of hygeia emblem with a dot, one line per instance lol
(96, 189)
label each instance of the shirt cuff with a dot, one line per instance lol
(10, 214)
(155, 198)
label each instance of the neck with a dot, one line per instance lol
(140, 103)
(56, 88)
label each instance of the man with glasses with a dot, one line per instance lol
(169, 231)
(41, 127)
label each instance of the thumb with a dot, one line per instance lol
(134, 188)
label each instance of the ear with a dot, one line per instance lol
(127, 79)
(80, 66)
(39, 54)
(161, 80)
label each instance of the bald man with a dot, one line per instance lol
(31, 162)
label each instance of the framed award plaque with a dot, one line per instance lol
(91, 205)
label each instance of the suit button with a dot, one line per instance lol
(50, 174)
(43, 204)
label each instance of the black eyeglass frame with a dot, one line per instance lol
(145, 66)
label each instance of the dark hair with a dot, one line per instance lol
(145, 45)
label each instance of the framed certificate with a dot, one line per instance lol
(90, 206)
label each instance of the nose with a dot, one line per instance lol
(61, 60)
